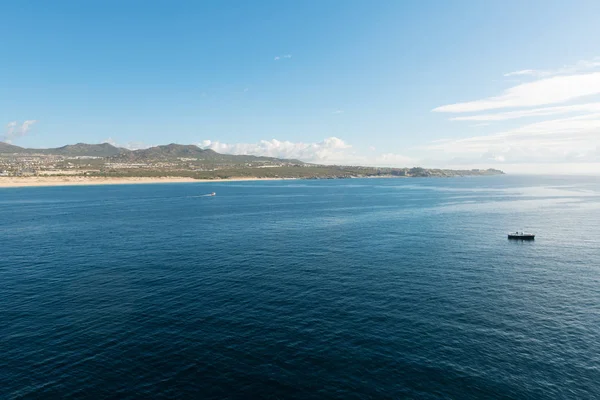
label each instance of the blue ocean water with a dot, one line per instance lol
(362, 288)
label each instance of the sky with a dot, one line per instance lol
(513, 85)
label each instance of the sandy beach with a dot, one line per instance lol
(8, 182)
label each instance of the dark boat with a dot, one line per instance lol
(521, 235)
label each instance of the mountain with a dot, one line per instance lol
(83, 149)
(9, 148)
(168, 151)
(174, 151)
(178, 160)
(157, 153)
(71, 150)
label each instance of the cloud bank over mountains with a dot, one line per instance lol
(328, 150)
(331, 150)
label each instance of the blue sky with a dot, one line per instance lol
(369, 82)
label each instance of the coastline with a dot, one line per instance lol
(34, 181)
(78, 180)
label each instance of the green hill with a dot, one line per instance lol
(71, 150)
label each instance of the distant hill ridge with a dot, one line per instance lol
(6, 148)
(174, 153)
(170, 151)
(163, 152)
(179, 160)
(84, 149)
(73, 150)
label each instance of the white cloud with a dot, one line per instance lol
(277, 58)
(26, 125)
(331, 149)
(559, 140)
(580, 66)
(10, 127)
(536, 112)
(338, 112)
(564, 134)
(521, 72)
(557, 89)
(14, 130)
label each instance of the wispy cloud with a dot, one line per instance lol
(536, 112)
(14, 130)
(565, 134)
(521, 72)
(277, 58)
(557, 89)
(557, 140)
(479, 125)
(338, 112)
(580, 66)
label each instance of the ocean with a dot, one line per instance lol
(348, 289)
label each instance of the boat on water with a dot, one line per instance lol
(521, 235)
(213, 194)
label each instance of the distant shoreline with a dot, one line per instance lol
(33, 181)
(78, 180)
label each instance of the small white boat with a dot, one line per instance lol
(213, 194)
